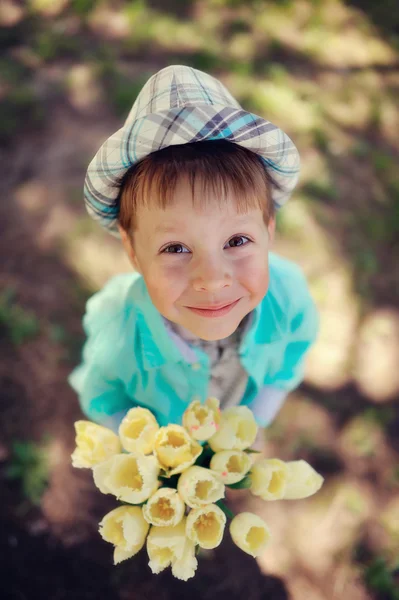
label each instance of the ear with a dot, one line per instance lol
(128, 246)
(272, 228)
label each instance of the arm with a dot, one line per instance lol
(101, 392)
(267, 404)
(101, 399)
(303, 332)
(304, 328)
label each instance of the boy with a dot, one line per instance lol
(191, 184)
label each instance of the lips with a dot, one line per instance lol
(213, 306)
(215, 310)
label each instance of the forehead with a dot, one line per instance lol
(183, 214)
(199, 195)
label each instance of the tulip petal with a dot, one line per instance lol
(302, 480)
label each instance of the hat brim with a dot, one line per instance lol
(183, 125)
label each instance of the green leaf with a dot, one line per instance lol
(13, 471)
(251, 451)
(244, 484)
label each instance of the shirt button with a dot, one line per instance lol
(195, 366)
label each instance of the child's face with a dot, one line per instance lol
(195, 260)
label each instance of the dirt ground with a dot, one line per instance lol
(344, 420)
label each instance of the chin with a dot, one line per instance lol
(213, 336)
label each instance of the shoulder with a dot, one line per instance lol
(287, 281)
(112, 306)
(289, 297)
(288, 287)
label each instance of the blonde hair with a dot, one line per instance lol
(215, 166)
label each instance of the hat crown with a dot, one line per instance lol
(178, 86)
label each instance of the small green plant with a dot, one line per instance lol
(29, 465)
(83, 7)
(20, 324)
(382, 415)
(380, 579)
(321, 140)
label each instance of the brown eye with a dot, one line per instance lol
(175, 249)
(238, 240)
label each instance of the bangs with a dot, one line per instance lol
(216, 171)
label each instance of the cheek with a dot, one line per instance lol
(253, 274)
(165, 285)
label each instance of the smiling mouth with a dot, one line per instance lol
(213, 311)
(213, 306)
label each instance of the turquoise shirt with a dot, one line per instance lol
(129, 358)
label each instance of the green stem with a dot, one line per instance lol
(229, 514)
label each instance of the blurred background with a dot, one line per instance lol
(327, 72)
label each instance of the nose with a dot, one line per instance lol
(211, 275)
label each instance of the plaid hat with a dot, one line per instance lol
(180, 105)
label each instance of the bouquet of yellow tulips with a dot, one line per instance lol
(171, 481)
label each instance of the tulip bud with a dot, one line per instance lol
(126, 529)
(175, 449)
(169, 546)
(205, 526)
(94, 444)
(130, 477)
(137, 430)
(231, 465)
(198, 486)
(302, 480)
(202, 420)
(269, 479)
(165, 508)
(237, 430)
(250, 533)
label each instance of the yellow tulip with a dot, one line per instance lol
(269, 479)
(130, 477)
(237, 430)
(126, 529)
(184, 567)
(137, 430)
(231, 465)
(165, 508)
(94, 444)
(175, 449)
(198, 487)
(302, 480)
(205, 526)
(250, 533)
(202, 420)
(169, 546)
